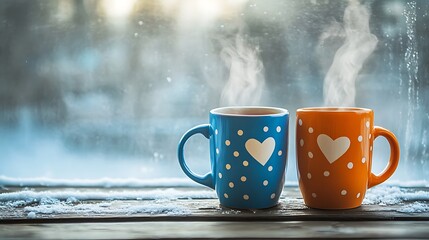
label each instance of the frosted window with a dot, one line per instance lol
(94, 89)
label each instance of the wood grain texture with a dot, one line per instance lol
(290, 208)
(212, 229)
(203, 217)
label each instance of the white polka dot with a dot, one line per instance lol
(217, 150)
(358, 195)
(227, 166)
(310, 154)
(326, 173)
(243, 178)
(270, 168)
(343, 192)
(231, 184)
(245, 163)
(278, 129)
(360, 138)
(363, 160)
(265, 129)
(314, 195)
(273, 196)
(300, 122)
(350, 165)
(236, 154)
(370, 148)
(220, 175)
(367, 124)
(227, 142)
(369, 136)
(216, 132)
(246, 197)
(309, 175)
(240, 132)
(301, 142)
(265, 183)
(280, 153)
(225, 195)
(310, 130)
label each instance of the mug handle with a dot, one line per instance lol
(207, 179)
(394, 157)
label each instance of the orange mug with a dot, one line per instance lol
(334, 156)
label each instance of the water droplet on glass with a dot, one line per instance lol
(411, 62)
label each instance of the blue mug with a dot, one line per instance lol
(248, 153)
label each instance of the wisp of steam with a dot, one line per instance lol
(339, 85)
(246, 73)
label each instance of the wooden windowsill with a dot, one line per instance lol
(204, 218)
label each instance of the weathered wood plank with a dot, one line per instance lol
(291, 208)
(210, 229)
(202, 217)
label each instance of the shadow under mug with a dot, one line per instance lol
(334, 155)
(248, 153)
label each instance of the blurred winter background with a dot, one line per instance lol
(105, 89)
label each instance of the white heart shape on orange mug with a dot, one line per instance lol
(261, 152)
(333, 149)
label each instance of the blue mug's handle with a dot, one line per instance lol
(206, 180)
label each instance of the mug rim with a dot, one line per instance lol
(335, 109)
(234, 111)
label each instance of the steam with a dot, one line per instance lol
(339, 85)
(246, 76)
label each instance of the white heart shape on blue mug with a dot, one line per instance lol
(261, 152)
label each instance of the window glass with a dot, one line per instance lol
(94, 89)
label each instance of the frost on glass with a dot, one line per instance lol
(105, 89)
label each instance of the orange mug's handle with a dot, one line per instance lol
(394, 157)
